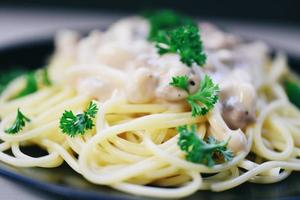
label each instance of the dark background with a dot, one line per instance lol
(280, 11)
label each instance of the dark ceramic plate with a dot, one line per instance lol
(66, 183)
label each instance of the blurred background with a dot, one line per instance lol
(273, 10)
(275, 21)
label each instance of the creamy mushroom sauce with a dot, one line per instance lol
(134, 67)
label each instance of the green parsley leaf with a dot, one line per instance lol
(181, 82)
(292, 90)
(185, 41)
(92, 110)
(33, 80)
(19, 123)
(73, 125)
(204, 99)
(7, 76)
(164, 20)
(31, 85)
(46, 79)
(201, 151)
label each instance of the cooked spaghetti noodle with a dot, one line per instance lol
(133, 146)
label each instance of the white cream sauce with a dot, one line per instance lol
(122, 59)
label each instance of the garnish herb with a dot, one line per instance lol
(292, 90)
(201, 151)
(7, 76)
(165, 20)
(204, 99)
(73, 125)
(181, 82)
(46, 79)
(19, 123)
(30, 87)
(32, 82)
(185, 41)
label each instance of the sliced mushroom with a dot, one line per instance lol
(220, 131)
(238, 99)
(237, 116)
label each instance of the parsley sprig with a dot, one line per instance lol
(30, 87)
(7, 76)
(164, 20)
(204, 99)
(201, 151)
(19, 123)
(292, 89)
(183, 40)
(181, 82)
(45, 76)
(73, 125)
(33, 81)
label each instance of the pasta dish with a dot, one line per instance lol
(156, 105)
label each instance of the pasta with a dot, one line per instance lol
(133, 146)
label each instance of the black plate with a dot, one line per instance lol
(65, 182)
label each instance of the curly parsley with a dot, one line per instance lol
(185, 41)
(181, 82)
(292, 90)
(19, 123)
(30, 87)
(164, 20)
(45, 76)
(204, 99)
(7, 76)
(73, 125)
(201, 151)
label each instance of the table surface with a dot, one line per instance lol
(19, 24)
